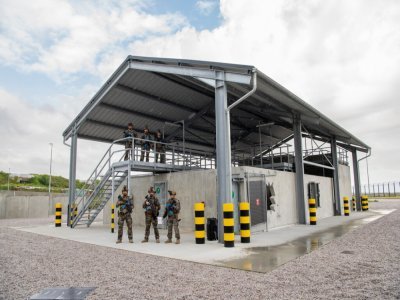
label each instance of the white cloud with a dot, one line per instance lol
(206, 7)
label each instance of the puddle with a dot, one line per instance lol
(265, 259)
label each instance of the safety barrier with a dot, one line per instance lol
(313, 211)
(364, 203)
(112, 218)
(199, 223)
(58, 215)
(229, 233)
(353, 199)
(346, 206)
(244, 222)
(73, 212)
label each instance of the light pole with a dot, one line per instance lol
(367, 174)
(51, 161)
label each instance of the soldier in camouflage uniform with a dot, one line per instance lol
(129, 133)
(125, 205)
(151, 207)
(172, 209)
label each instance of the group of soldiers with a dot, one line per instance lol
(146, 143)
(151, 206)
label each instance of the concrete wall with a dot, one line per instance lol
(344, 184)
(29, 204)
(196, 186)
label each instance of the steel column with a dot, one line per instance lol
(223, 150)
(72, 174)
(298, 149)
(336, 194)
(356, 177)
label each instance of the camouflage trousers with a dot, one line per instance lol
(173, 222)
(150, 220)
(128, 219)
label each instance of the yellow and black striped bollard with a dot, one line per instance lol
(199, 233)
(353, 199)
(346, 206)
(58, 215)
(229, 234)
(364, 203)
(74, 212)
(244, 222)
(313, 211)
(112, 218)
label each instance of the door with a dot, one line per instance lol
(257, 202)
(161, 193)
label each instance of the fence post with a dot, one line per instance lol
(199, 223)
(244, 222)
(58, 215)
(229, 233)
(346, 207)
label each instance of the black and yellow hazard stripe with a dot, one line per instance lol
(229, 233)
(73, 213)
(364, 202)
(313, 211)
(112, 218)
(353, 199)
(244, 222)
(346, 206)
(58, 215)
(199, 223)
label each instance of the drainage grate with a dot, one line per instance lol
(71, 293)
(347, 252)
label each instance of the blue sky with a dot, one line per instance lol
(340, 57)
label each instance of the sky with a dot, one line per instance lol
(342, 57)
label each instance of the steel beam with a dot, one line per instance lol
(300, 200)
(191, 72)
(223, 146)
(335, 164)
(356, 175)
(72, 174)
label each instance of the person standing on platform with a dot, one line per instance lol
(129, 133)
(146, 140)
(151, 207)
(125, 205)
(160, 147)
(172, 209)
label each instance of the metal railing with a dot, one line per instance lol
(386, 189)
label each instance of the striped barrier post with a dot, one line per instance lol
(364, 203)
(229, 234)
(112, 218)
(353, 199)
(313, 211)
(346, 206)
(73, 213)
(199, 233)
(58, 215)
(244, 222)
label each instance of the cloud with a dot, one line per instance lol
(206, 7)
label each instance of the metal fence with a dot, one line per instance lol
(386, 189)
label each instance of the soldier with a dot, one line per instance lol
(151, 207)
(125, 205)
(129, 133)
(160, 147)
(146, 138)
(172, 209)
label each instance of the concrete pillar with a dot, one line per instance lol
(72, 174)
(336, 196)
(356, 177)
(298, 149)
(223, 145)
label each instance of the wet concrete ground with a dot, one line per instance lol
(266, 259)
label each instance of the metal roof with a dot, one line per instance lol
(142, 92)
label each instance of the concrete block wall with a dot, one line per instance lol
(29, 205)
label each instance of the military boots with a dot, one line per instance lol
(169, 241)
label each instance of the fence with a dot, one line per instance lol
(386, 189)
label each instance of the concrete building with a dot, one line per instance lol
(229, 134)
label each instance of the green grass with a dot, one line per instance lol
(38, 182)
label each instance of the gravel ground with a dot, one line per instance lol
(30, 263)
